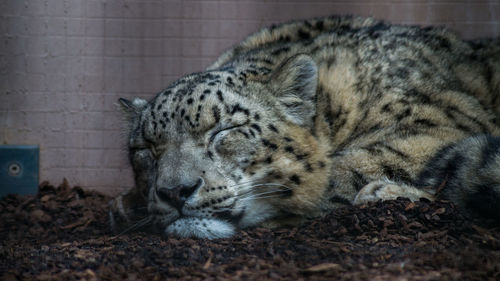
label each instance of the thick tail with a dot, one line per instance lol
(468, 174)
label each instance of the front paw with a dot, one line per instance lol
(126, 209)
(388, 190)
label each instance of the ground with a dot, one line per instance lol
(62, 234)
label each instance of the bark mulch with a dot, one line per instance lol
(62, 234)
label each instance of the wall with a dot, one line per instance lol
(64, 63)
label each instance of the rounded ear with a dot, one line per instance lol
(294, 85)
(132, 107)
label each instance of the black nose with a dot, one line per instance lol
(178, 195)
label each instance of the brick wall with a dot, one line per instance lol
(64, 63)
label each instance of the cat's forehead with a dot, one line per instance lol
(191, 104)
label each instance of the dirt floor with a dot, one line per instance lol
(62, 234)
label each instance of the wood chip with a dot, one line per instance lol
(323, 267)
(391, 240)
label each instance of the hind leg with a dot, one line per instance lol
(389, 190)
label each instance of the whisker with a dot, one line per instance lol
(229, 209)
(138, 224)
(272, 184)
(260, 197)
(243, 183)
(245, 199)
(249, 194)
(132, 211)
(287, 188)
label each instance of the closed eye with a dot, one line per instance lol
(152, 149)
(214, 134)
(137, 148)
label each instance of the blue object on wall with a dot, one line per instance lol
(18, 169)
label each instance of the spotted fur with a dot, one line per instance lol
(311, 115)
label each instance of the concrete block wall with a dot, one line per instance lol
(64, 63)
